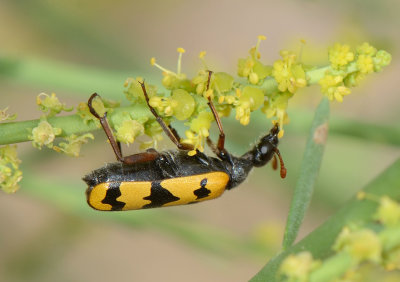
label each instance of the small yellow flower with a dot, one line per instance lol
(333, 87)
(5, 116)
(44, 134)
(366, 49)
(276, 106)
(50, 105)
(200, 81)
(199, 131)
(362, 245)
(388, 211)
(289, 75)
(340, 56)
(158, 103)
(365, 64)
(128, 130)
(250, 99)
(73, 144)
(382, 59)
(251, 67)
(172, 80)
(243, 112)
(298, 267)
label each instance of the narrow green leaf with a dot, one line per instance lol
(308, 172)
(320, 241)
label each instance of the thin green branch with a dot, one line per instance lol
(15, 132)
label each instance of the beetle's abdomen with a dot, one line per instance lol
(133, 195)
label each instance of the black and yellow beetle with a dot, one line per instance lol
(159, 179)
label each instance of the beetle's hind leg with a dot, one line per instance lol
(149, 155)
(169, 130)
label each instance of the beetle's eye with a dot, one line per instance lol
(264, 149)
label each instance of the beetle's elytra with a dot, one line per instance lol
(157, 179)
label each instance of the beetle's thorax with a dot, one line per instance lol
(238, 168)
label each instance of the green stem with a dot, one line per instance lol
(15, 132)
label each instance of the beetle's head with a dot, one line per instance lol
(266, 149)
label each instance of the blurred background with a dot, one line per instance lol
(74, 48)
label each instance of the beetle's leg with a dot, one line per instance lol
(106, 127)
(174, 132)
(147, 156)
(141, 157)
(221, 139)
(171, 132)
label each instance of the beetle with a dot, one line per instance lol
(157, 179)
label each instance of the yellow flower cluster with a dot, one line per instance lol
(348, 68)
(44, 134)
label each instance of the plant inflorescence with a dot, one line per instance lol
(259, 86)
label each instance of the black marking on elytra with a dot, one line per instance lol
(159, 196)
(112, 194)
(202, 192)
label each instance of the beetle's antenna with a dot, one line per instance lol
(283, 168)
